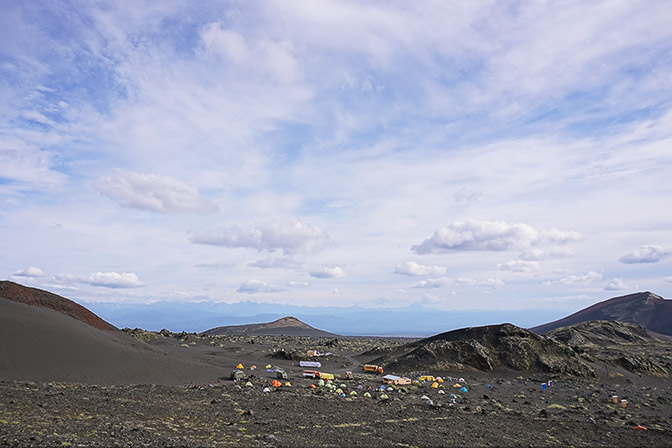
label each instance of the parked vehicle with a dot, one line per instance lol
(238, 374)
(373, 368)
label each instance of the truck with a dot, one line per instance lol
(238, 374)
(280, 374)
(316, 374)
(373, 368)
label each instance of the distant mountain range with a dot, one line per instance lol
(414, 320)
(286, 326)
(643, 308)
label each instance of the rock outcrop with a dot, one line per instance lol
(486, 348)
(619, 344)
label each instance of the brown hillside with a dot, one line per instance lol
(644, 308)
(286, 326)
(37, 297)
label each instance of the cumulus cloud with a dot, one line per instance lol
(538, 254)
(488, 282)
(440, 282)
(284, 262)
(519, 266)
(432, 283)
(113, 280)
(616, 284)
(645, 254)
(413, 269)
(329, 272)
(29, 272)
(256, 286)
(298, 284)
(161, 194)
(583, 279)
(489, 236)
(290, 235)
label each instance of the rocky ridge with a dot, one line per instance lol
(486, 348)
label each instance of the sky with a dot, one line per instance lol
(459, 155)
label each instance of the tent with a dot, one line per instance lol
(240, 366)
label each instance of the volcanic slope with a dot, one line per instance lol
(286, 326)
(39, 343)
(620, 344)
(643, 308)
(486, 348)
(37, 297)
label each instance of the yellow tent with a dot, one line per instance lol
(439, 380)
(240, 366)
(435, 385)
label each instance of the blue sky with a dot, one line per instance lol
(462, 155)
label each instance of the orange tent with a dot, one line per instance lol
(276, 383)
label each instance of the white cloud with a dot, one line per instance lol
(227, 43)
(284, 262)
(538, 254)
(161, 194)
(519, 266)
(25, 167)
(329, 272)
(440, 282)
(215, 264)
(336, 291)
(112, 280)
(488, 283)
(29, 272)
(616, 284)
(490, 236)
(668, 279)
(646, 254)
(412, 268)
(298, 284)
(583, 279)
(263, 57)
(256, 286)
(289, 235)
(433, 283)
(467, 196)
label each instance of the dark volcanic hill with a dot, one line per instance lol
(644, 308)
(486, 348)
(45, 337)
(37, 297)
(286, 326)
(620, 344)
